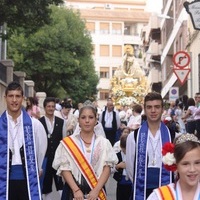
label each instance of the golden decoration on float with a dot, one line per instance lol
(129, 83)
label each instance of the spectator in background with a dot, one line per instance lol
(58, 104)
(69, 117)
(125, 131)
(110, 121)
(95, 103)
(171, 110)
(197, 114)
(136, 118)
(32, 107)
(185, 102)
(124, 185)
(178, 117)
(76, 112)
(189, 116)
(55, 128)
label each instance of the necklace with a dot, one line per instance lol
(153, 162)
(14, 136)
(88, 150)
(85, 141)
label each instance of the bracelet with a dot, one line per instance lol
(77, 190)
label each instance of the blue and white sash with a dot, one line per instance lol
(165, 177)
(30, 158)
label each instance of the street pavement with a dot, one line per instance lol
(111, 189)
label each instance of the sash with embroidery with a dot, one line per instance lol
(30, 158)
(165, 193)
(83, 165)
(165, 176)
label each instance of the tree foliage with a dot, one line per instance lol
(27, 14)
(58, 57)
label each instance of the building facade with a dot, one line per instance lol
(112, 26)
(165, 35)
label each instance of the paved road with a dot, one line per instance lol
(110, 188)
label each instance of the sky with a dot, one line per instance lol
(154, 6)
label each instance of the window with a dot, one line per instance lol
(104, 72)
(104, 50)
(127, 30)
(104, 94)
(90, 27)
(116, 29)
(113, 70)
(104, 28)
(117, 51)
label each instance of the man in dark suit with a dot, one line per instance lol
(110, 121)
(55, 128)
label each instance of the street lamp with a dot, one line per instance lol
(193, 10)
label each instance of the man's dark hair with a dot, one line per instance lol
(14, 86)
(47, 100)
(153, 96)
(66, 105)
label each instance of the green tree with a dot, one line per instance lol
(58, 57)
(27, 14)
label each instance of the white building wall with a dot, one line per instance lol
(193, 79)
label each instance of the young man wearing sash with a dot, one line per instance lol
(84, 159)
(143, 152)
(23, 146)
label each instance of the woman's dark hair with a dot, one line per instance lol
(123, 139)
(137, 108)
(32, 102)
(191, 102)
(66, 105)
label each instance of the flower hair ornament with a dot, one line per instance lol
(168, 157)
(168, 150)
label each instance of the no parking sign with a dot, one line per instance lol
(181, 59)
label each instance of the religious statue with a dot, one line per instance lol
(128, 61)
(129, 83)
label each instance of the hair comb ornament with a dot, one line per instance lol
(88, 103)
(187, 137)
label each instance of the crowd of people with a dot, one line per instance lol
(152, 150)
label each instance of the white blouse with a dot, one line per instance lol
(155, 195)
(102, 154)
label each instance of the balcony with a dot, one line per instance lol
(154, 48)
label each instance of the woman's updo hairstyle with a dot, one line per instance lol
(88, 105)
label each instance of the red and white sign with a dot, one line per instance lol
(181, 59)
(181, 74)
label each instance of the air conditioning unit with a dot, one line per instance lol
(107, 6)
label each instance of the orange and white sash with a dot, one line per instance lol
(165, 193)
(83, 165)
